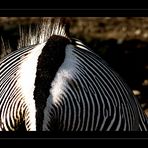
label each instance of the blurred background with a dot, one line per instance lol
(121, 41)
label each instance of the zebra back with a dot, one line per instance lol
(88, 95)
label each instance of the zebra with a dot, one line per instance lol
(54, 82)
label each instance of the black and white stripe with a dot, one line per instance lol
(17, 76)
(58, 83)
(87, 95)
(18, 103)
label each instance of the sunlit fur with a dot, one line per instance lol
(41, 33)
(85, 94)
(5, 48)
(17, 76)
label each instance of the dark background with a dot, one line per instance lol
(121, 41)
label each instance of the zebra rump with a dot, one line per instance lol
(53, 82)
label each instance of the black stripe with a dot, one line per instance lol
(49, 61)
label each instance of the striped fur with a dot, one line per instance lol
(87, 95)
(17, 76)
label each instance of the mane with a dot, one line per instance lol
(41, 32)
(5, 48)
